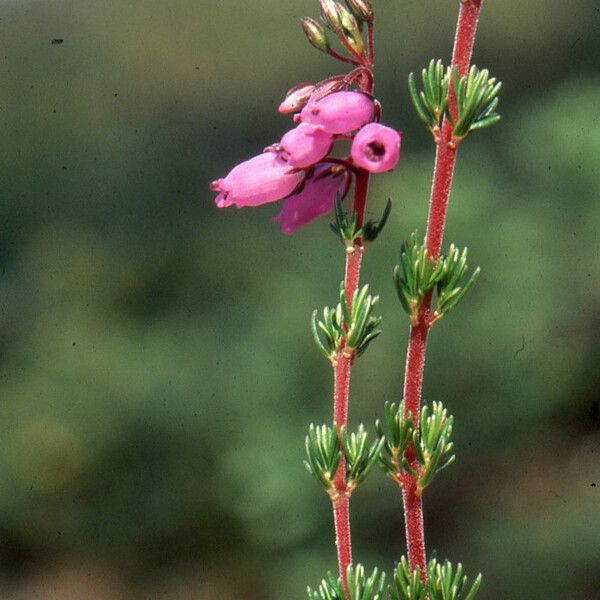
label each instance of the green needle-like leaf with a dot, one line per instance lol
(430, 103)
(443, 583)
(360, 586)
(476, 101)
(322, 454)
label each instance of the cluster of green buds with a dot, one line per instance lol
(429, 441)
(325, 448)
(476, 95)
(360, 586)
(345, 21)
(442, 582)
(346, 329)
(419, 274)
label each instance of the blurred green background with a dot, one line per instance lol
(157, 373)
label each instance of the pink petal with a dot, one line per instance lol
(376, 148)
(339, 112)
(305, 145)
(316, 198)
(264, 178)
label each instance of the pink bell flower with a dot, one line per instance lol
(339, 112)
(376, 148)
(264, 178)
(316, 198)
(305, 145)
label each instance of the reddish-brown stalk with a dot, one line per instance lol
(342, 58)
(370, 34)
(417, 344)
(341, 392)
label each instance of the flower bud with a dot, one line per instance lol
(376, 148)
(329, 14)
(296, 99)
(362, 9)
(351, 29)
(315, 33)
(340, 112)
(347, 19)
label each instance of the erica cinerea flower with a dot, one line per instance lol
(315, 198)
(264, 178)
(305, 145)
(340, 112)
(376, 148)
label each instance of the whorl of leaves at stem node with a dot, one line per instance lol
(353, 325)
(324, 449)
(322, 454)
(406, 584)
(476, 101)
(432, 444)
(476, 96)
(442, 582)
(449, 293)
(432, 101)
(430, 441)
(360, 586)
(418, 273)
(329, 589)
(396, 432)
(360, 456)
(346, 225)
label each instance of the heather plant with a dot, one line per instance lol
(337, 144)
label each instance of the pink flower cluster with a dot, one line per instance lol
(298, 170)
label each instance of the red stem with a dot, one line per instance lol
(417, 345)
(343, 543)
(341, 390)
(342, 58)
(371, 42)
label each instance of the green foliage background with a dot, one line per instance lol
(157, 373)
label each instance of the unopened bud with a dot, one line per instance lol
(351, 29)
(356, 42)
(347, 19)
(362, 9)
(315, 33)
(329, 14)
(296, 99)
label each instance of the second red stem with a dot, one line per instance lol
(417, 345)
